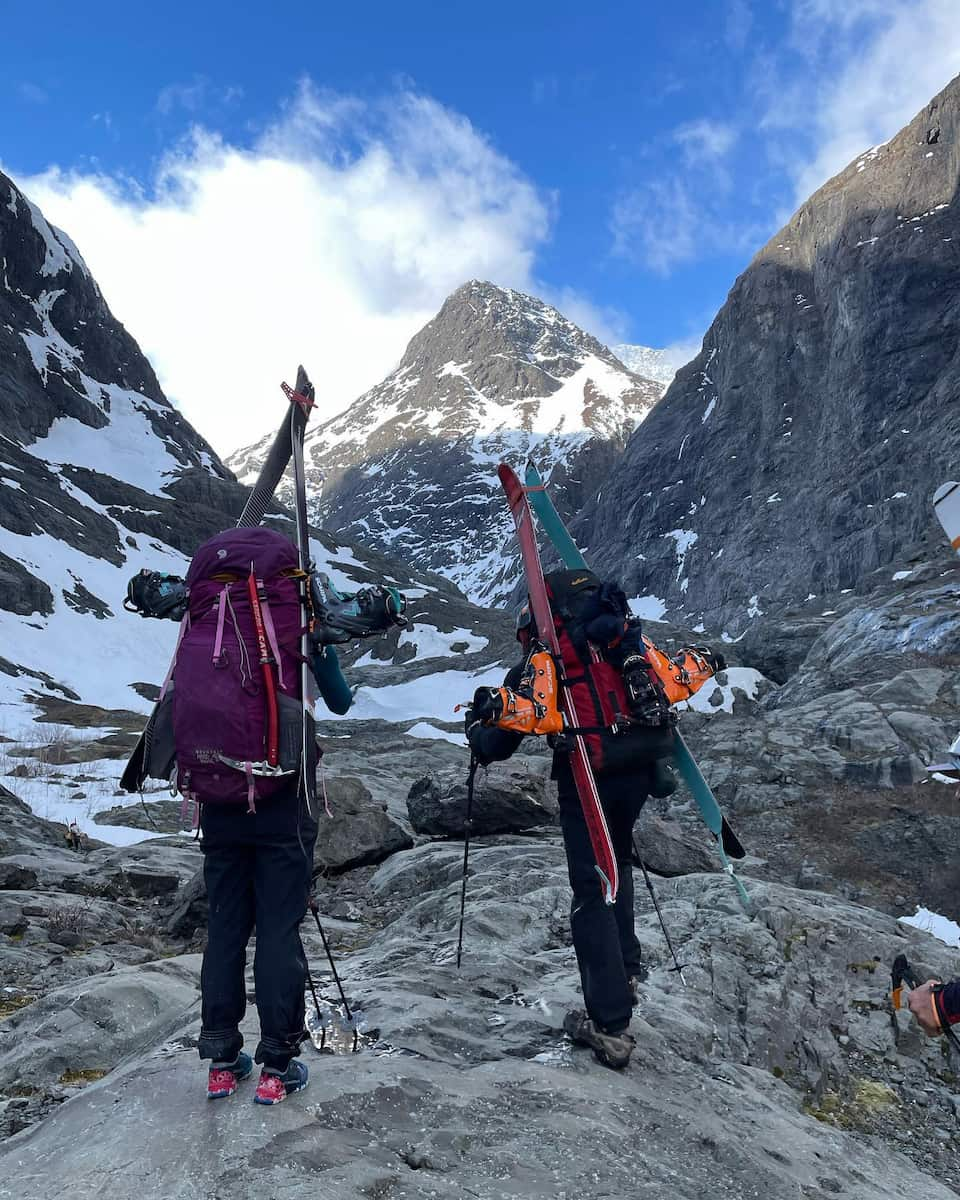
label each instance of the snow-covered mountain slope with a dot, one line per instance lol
(100, 475)
(411, 466)
(645, 361)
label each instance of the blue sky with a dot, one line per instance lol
(624, 160)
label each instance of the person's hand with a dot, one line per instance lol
(921, 1003)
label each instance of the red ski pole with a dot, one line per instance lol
(266, 667)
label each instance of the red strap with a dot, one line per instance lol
(296, 397)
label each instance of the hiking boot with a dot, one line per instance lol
(274, 1087)
(224, 1077)
(612, 1049)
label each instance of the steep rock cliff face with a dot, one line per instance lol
(798, 452)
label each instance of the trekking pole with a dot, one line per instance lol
(315, 909)
(313, 993)
(656, 904)
(467, 825)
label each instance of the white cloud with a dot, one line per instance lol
(658, 225)
(705, 140)
(870, 67)
(329, 241)
(32, 93)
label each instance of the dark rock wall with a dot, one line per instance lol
(804, 442)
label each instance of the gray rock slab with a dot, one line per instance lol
(469, 1088)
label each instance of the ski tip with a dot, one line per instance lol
(731, 843)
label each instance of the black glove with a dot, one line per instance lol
(647, 702)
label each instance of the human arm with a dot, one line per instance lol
(935, 1005)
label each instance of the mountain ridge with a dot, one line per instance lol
(411, 465)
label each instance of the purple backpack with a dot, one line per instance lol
(232, 699)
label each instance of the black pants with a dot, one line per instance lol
(606, 944)
(258, 870)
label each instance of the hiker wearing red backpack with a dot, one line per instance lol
(624, 688)
(234, 733)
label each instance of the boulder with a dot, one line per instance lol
(668, 850)
(358, 831)
(508, 798)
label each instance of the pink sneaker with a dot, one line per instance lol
(272, 1089)
(222, 1081)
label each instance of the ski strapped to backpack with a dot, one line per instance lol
(727, 842)
(604, 856)
(224, 727)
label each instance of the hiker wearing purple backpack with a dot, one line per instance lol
(233, 733)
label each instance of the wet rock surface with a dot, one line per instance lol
(747, 1082)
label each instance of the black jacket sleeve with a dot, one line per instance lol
(950, 1002)
(491, 744)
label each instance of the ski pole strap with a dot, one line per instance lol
(272, 638)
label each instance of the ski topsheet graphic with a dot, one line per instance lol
(603, 852)
(728, 844)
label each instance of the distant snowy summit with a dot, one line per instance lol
(410, 467)
(650, 363)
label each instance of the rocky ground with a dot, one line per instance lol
(779, 1070)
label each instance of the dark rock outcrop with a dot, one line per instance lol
(799, 450)
(508, 798)
(358, 832)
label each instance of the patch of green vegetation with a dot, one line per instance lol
(870, 967)
(869, 1099)
(77, 1076)
(9, 1004)
(871, 1094)
(794, 939)
(777, 1072)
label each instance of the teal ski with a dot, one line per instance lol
(728, 844)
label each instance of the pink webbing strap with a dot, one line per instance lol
(251, 788)
(272, 637)
(218, 641)
(184, 626)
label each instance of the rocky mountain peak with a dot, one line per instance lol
(497, 374)
(480, 322)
